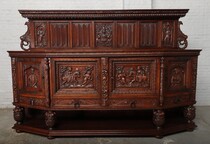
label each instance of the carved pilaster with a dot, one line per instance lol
(189, 113)
(167, 34)
(181, 38)
(161, 80)
(104, 77)
(46, 80)
(14, 80)
(50, 118)
(26, 39)
(40, 35)
(158, 118)
(18, 114)
(194, 77)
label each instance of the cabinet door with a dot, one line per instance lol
(75, 82)
(32, 81)
(134, 82)
(180, 74)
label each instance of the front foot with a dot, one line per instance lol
(50, 119)
(18, 114)
(159, 120)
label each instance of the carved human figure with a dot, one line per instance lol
(32, 79)
(132, 75)
(75, 76)
(141, 77)
(40, 35)
(66, 78)
(87, 76)
(121, 76)
(167, 34)
(177, 77)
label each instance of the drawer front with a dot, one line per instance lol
(133, 77)
(177, 100)
(32, 102)
(75, 79)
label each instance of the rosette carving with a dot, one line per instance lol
(26, 39)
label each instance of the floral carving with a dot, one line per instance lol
(181, 38)
(41, 35)
(167, 35)
(104, 35)
(137, 76)
(76, 76)
(26, 39)
(14, 80)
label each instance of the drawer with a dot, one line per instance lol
(32, 102)
(174, 101)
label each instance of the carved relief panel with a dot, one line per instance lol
(126, 35)
(177, 73)
(168, 33)
(104, 34)
(148, 34)
(40, 34)
(81, 32)
(133, 76)
(75, 76)
(31, 77)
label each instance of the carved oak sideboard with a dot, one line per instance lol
(104, 73)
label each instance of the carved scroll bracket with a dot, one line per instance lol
(25, 42)
(181, 38)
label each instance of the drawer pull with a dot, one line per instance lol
(133, 104)
(77, 105)
(177, 100)
(32, 102)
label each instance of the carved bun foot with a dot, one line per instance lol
(18, 114)
(189, 114)
(50, 119)
(158, 120)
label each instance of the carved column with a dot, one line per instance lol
(189, 113)
(18, 114)
(158, 120)
(104, 77)
(50, 117)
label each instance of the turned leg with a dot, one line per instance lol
(189, 114)
(18, 114)
(158, 120)
(50, 119)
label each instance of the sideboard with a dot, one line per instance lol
(104, 73)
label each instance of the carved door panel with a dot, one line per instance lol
(178, 81)
(32, 81)
(133, 81)
(76, 82)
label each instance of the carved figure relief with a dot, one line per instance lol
(76, 76)
(40, 35)
(104, 35)
(177, 77)
(26, 39)
(167, 36)
(137, 76)
(31, 77)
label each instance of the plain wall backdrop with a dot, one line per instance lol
(196, 26)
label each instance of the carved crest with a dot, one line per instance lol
(104, 35)
(26, 39)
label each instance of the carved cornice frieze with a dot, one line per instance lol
(101, 14)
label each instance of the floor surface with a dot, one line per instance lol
(201, 135)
